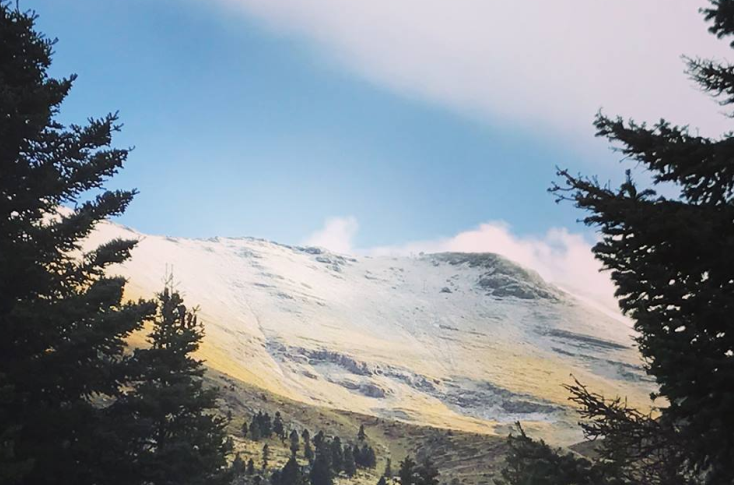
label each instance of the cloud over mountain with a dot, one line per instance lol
(559, 256)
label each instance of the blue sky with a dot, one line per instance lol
(418, 121)
(241, 132)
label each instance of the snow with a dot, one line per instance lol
(424, 338)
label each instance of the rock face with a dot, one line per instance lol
(500, 277)
(469, 341)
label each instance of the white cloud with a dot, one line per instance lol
(542, 64)
(560, 257)
(337, 235)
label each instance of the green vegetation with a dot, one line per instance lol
(331, 458)
(75, 405)
(671, 261)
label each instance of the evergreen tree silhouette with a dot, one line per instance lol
(670, 257)
(350, 468)
(278, 427)
(407, 473)
(181, 438)
(63, 319)
(265, 456)
(321, 473)
(294, 442)
(291, 473)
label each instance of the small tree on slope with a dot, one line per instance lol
(183, 439)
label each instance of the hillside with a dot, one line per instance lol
(462, 457)
(468, 342)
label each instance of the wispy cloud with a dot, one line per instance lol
(337, 235)
(540, 63)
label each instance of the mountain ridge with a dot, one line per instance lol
(468, 341)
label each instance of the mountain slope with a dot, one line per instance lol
(464, 341)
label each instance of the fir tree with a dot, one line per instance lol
(532, 462)
(294, 446)
(408, 474)
(368, 457)
(321, 473)
(278, 427)
(255, 433)
(239, 468)
(427, 473)
(388, 469)
(670, 259)
(64, 322)
(182, 440)
(291, 473)
(265, 456)
(266, 425)
(358, 456)
(318, 440)
(350, 468)
(382, 481)
(308, 452)
(244, 429)
(337, 455)
(276, 477)
(261, 426)
(361, 436)
(250, 467)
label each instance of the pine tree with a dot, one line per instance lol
(244, 429)
(308, 452)
(291, 473)
(255, 433)
(266, 425)
(265, 456)
(361, 436)
(63, 321)
(321, 473)
(671, 261)
(182, 440)
(276, 477)
(427, 473)
(239, 468)
(294, 446)
(306, 436)
(359, 458)
(350, 468)
(368, 456)
(388, 469)
(408, 473)
(337, 455)
(532, 462)
(319, 440)
(382, 481)
(278, 427)
(250, 467)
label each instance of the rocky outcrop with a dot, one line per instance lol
(500, 277)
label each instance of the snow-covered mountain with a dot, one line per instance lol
(465, 341)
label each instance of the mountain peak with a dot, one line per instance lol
(468, 341)
(501, 277)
